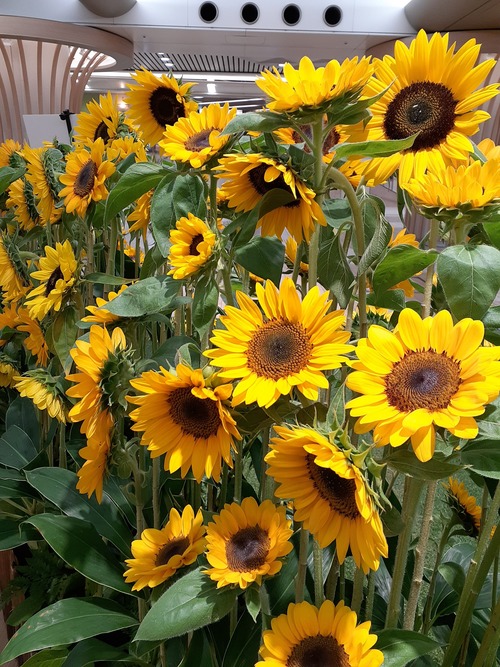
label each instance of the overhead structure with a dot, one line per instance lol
(109, 8)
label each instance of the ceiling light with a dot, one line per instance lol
(211, 88)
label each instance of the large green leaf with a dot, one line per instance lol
(136, 181)
(373, 148)
(66, 622)
(264, 256)
(8, 175)
(79, 544)
(482, 457)
(16, 448)
(206, 298)
(243, 647)
(265, 121)
(438, 467)
(334, 271)
(162, 214)
(189, 196)
(400, 263)
(64, 333)
(402, 646)
(52, 657)
(380, 238)
(145, 297)
(470, 279)
(59, 486)
(13, 488)
(23, 414)
(14, 533)
(190, 603)
(94, 650)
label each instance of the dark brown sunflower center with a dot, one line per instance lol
(278, 349)
(247, 549)
(84, 182)
(332, 140)
(193, 247)
(199, 141)
(258, 181)
(102, 132)
(175, 547)
(425, 107)
(197, 417)
(339, 493)
(422, 380)
(165, 107)
(56, 275)
(318, 651)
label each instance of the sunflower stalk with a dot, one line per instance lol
(486, 655)
(238, 474)
(155, 484)
(420, 554)
(410, 501)
(319, 594)
(332, 579)
(482, 560)
(300, 579)
(111, 259)
(433, 239)
(370, 596)
(317, 139)
(357, 593)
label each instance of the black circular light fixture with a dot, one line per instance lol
(208, 12)
(291, 14)
(332, 15)
(250, 12)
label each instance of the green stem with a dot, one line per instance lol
(410, 502)
(486, 552)
(486, 656)
(238, 474)
(266, 482)
(317, 140)
(224, 485)
(332, 578)
(155, 482)
(226, 279)
(427, 621)
(433, 239)
(111, 261)
(296, 263)
(212, 198)
(342, 582)
(370, 596)
(357, 593)
(63, 463)
(319, 594)
(300, 579)
(420, 554)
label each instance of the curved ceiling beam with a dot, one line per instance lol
(110, 8)
(453, 14)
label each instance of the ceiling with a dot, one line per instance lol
(229, 51)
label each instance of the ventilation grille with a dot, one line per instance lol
(198, 63)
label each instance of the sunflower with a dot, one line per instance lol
(41, 387)
(245, 542)
(250, 176)
(192, 410)
(121, 147)
(464, 506)
(12, 281)
(197, 138)
(8, 371)
(158, 554)
(288, 347)
(141, 214)
(58, 273)
(101, 121)
(85, 178)
(22, 200)
(92, 473)
(311, 87)
(103, 373)
(192, 245)
(8, 150)
(426, 373)
(307, 636)
(291, 248)
(447, 192)
(329, 493)
(100, 315)
(43, 168)
(156, 102)
(35, 340)
(435, 94)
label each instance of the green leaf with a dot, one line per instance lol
(169, 349)
(145, 297)
(152, 262)
(8, 175)
(13, 488)
(189, 196)
(79, 544)
(252, 601)
(94, 650)
(190, 603)
(266, 121)
(482, 457)
(162, 214)
(206, 298)
(400, 263)
(470, 279)
(198, 654)
(136, 181)
(22, 413)
(243, 647)
(105, 279)
(402, 646)
(264, 256)
(64, 334)
(15, 533)
(393, 299)
(59, 486)
(373, 148)
(16, 448)
(52, 657)
(334, 272)
(378, 242)
(66, 622)
(492, 230)
(406, 462)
